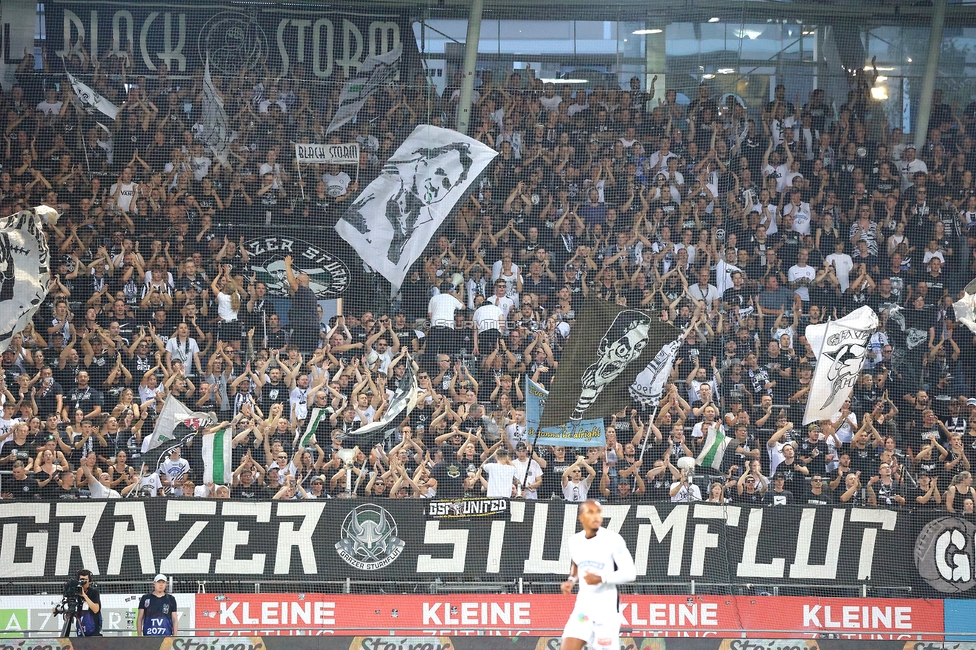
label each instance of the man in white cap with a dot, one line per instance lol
(157, 611)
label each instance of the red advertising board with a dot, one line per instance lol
(545, 615)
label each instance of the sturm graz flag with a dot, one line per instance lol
(608, 347)
(394, 218)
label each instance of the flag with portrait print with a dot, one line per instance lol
(25, 272)
(393, 219)
(608, 347)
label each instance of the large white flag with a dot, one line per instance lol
(25, 272)
(648, 387)
(92, 100)
(965, 307)
(840, 347)
(394, 218)
(214, 133)
(374, 73)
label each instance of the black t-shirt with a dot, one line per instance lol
(825, 498)
(253, 491)
(158, 613)
(774, 498)
(817, 453)
(92, 622)
(21, 489)
(450, 476)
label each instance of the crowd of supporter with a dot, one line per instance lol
(743, 225)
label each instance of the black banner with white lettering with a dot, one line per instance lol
(329, 45)
(749, 548)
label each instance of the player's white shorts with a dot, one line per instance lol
(600, 633)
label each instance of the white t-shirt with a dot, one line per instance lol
(500, 480)
(599, 555)
(336, 186)
(183, 350)
(126, 195)
(535, 471)
(150, 484)
(489, 316)
(843, 265)
(690, 492)
(576, 492)
(801, 217)
(50, 108)
(441, 309)
(551, 104)
(797, 272)
(175, 468)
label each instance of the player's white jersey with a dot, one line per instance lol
(606, 555)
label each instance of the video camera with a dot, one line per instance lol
(71, 595)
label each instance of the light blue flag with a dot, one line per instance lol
(577, 433)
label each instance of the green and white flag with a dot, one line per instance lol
(713, 449)
(218, 459)
(315, 418)
(374, 73)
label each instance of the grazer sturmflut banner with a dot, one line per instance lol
(381, 540)
(328, 44)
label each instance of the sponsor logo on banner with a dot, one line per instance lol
(541, 615)
(21, 613)
(464, 508)
(369, 538)
(400, 643)
(328, 275)
(945, 554)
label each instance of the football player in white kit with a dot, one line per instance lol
(600, 562)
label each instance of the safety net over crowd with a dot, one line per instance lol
(279, 274)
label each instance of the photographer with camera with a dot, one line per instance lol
(157, 611)
(82, 603)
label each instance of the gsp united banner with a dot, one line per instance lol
(672, 543)
(327, 44)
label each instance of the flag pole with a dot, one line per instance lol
(301, 183)
(648, 432)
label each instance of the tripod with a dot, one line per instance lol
(71, 611)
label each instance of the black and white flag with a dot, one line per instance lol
(400, 406)
(840, 347)
(25, 271)
(92, 101)
(393, 219)
(648, 388)
(215, 131)
(375, 72)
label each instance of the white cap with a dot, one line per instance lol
(160, 576)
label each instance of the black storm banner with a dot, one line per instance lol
(328, 44)
(247, 541)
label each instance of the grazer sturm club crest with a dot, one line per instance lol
(844, 351)
(328, 275)
(369, 538)
(232, 39)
